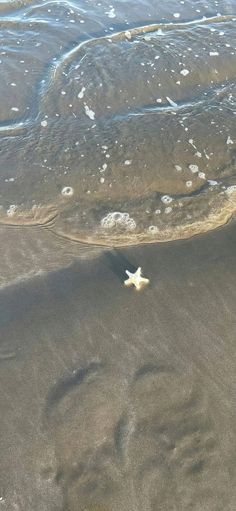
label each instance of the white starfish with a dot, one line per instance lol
(136, 279)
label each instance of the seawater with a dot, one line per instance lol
(117, 121)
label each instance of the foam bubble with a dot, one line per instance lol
(90, 113)
(166, 199)
(67, 191)
(12, 210)
(229, 140)
(111, 13)
(153, 229)
(189, 184)
(201, 175)
(81, 93)
(193, 168)
(184, 72)
(131, 224)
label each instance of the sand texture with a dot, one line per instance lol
(117, 400)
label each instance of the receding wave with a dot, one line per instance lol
(121, 138)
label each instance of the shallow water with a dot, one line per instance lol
(125, 109)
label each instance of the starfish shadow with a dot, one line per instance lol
(118, 263)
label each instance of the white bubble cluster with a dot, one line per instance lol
(118, 219)
(231, 189)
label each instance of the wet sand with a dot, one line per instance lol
(117, 127)
(114, 400)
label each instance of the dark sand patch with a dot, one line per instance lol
(118, 400)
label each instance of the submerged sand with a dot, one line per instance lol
(113, 400)
(120, 134)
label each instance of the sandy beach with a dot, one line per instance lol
(113, 399)
(117, 129)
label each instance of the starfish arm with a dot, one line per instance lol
(145, 281)
(141, 283)
(128, 282)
